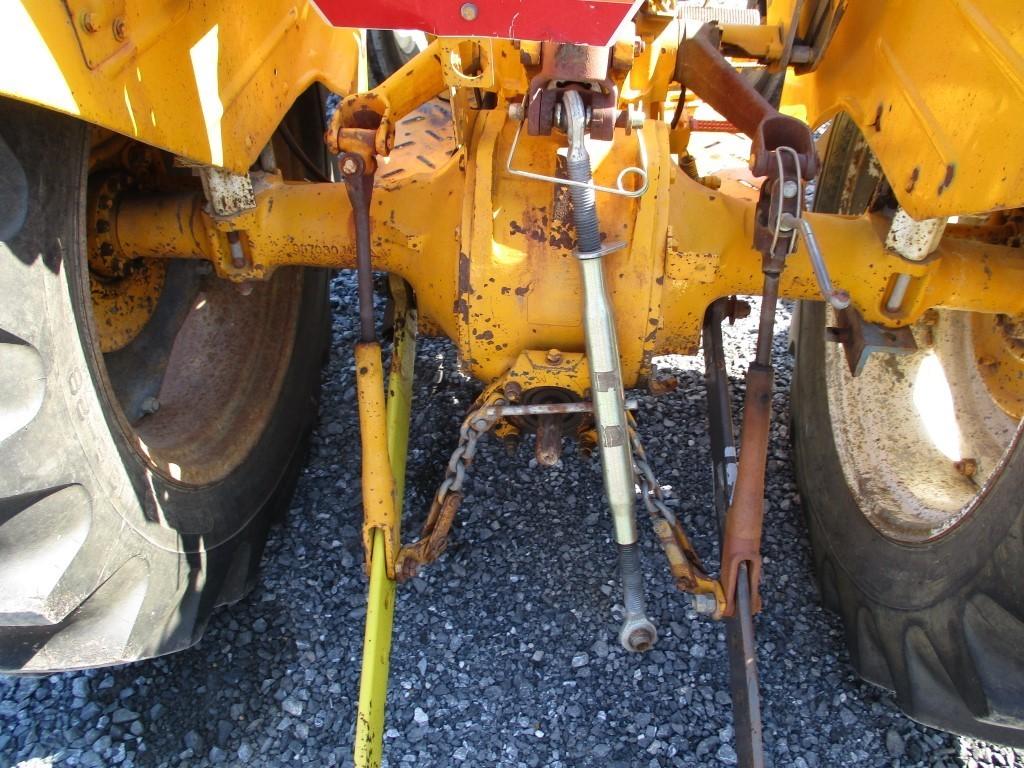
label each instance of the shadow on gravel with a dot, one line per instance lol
(505, 651)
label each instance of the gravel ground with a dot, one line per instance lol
(505, 650)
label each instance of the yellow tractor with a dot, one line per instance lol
(178, 180)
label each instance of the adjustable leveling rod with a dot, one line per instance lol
(637, 633)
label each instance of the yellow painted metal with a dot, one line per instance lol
(490, 257)
(938, 91)
(379, 504)
(209, 81)
(122, 306)
(400, 380)
(373, 680)
(380, 602)
(763, 41)
(1000, 360)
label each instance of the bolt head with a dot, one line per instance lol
(468, 11)
(704, 605)
(516, 111)
(349, 166)
(150, 405)
(120, 28)
(554, 356)
(513, 390)
(90, 21)
(790, 189)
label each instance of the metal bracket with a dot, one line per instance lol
(861, 339)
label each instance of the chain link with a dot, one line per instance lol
(683, 559)
(434, 535)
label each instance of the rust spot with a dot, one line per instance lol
(914, 176)
(522, 290)
(363, 371)
(877, 124)
(948, 178)
(485, 336)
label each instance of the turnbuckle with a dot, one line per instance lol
(638, 632)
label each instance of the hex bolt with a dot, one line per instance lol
(554, 356)
(90, 21)
(516, 111)
(790, 189)
(120, 28)
(513, 390)
(150, 405)
(468, 11)
(704, 604)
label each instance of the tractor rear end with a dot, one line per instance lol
(179, 182)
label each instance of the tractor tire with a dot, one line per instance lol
(388, 50)
(924, 563)
(120, 532)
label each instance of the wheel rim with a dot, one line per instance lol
(920, 437)
(190, 366)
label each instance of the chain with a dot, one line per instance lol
(433, 537)
(684, 562)
(477, 424)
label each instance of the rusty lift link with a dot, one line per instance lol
(783, 152)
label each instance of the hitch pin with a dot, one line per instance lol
(838, 298)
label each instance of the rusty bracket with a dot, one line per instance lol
(861, 339)
(582, 68)
(701, 67)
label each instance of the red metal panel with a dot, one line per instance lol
(590, 22)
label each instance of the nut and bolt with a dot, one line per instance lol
(90, 21)
(468, 11)
(150, 405)
(513, 391)
(349, 166)
(554, 356)
(516, 112)
(966, 467)
(235, 246)
(704, 604)
(120, 28)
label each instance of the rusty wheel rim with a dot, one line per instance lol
(920, 437)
